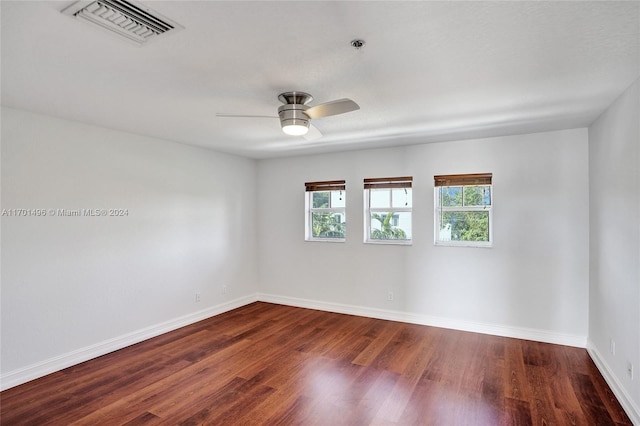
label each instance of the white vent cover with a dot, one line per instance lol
(126, 18)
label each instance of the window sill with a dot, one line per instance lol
(462, 244)
(390, 242)
(326, 240)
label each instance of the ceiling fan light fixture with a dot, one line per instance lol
(296, 129)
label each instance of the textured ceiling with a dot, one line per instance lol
(430, 71)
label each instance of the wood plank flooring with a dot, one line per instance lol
(266, 364)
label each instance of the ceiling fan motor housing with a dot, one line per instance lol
(293, 114)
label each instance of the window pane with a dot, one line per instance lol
(379, 198)
(320, 199)
(450, 196)
(391, 226)
(477, 195)
(328, 225)
(401, 197)
(464, 226)
(337, 199)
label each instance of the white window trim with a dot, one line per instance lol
(308, 235)
(436, 224)
(367, 221)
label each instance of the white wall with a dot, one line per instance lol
(614, 305)
(533, 283)
(72, 284)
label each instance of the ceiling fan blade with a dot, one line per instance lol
(313, 133)
(223, 115)
(339, 106)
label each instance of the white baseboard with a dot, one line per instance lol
(31, 372)
(476, 327)
(629, 406)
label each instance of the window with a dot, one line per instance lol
(388, 206)
(325, 218)
(463, 210)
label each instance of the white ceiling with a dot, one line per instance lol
(430, 71)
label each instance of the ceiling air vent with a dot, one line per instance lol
(126, 18)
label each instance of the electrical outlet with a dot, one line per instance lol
(612, 347)
(197, 297)
(630, 370)
(390, 296)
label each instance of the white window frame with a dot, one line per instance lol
(385, 183)
(480, 179)
(324, 186)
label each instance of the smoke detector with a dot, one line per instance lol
(358, 44)
(128, 19)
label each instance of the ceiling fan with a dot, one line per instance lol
(295, 115)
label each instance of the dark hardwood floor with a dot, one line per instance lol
(271, 364)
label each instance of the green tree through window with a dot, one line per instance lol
(387, 230)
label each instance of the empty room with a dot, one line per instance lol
(320, 212)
